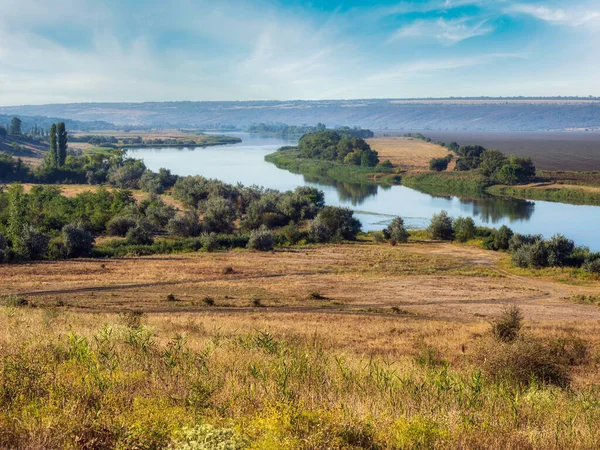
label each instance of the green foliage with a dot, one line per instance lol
(559, 250)
(533, 256)
(464, 229)
(334, 146)
(61, 139)
(120, 225)
(491, 162)
(77, 241)
(261, 239)
(499, 239)
(396, 231)
(157, 183)
(140, 234)
(440, 164)
(185, 225)
(334, 223)
(219, 214)
(207, 437)
(15, 126)
(126, 174)
(441, 227)
(386, 164)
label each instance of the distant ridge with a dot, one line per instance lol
(454, 113)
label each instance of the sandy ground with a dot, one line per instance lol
(448, 282)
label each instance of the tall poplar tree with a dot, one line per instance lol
(53, 153)
(62, 144)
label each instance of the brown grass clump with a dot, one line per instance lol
(507, 327)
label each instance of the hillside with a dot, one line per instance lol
(443, 114)
(46, 120)
(22, 146)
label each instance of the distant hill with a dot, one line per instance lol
(498, 114)
(22, 146)
(46, 120)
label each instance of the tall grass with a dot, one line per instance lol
(71, 380)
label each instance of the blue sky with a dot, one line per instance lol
(133, 50)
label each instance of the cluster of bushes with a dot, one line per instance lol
(493, 164)
(337, 146)
(297, 131)
(46, 224)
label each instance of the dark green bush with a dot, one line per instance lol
(77, 241)
(396, 232)
(464, 229)
(441, 227)
(120, 225)
(261, 239)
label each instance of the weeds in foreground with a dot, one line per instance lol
(125, 386)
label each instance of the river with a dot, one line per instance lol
(374, 205)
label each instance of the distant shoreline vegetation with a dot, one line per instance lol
(478, 171)
(112, 142)
(286, 131)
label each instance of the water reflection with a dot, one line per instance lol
(494, 210)
(353, 193)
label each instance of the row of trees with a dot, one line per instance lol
(492, 164)
(58, 137)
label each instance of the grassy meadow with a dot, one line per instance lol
(236, 350)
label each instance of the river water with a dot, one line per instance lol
(375, 205)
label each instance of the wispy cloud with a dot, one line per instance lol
(427, 67)
(447, 31)
(574, 15)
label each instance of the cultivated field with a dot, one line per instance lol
(549, 150)
(407, 153)
(344, 346)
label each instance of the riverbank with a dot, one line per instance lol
(578, 188)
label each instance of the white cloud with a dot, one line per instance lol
(447, 31)
(574, 16)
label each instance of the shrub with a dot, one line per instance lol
(210, 241)
(120, 225)
(208, 301)
(523, 361)
(218, 215)
(592, 266)
(140, 235)
(502, 238)
(186, 225)
(506, 328)
(318, 232)
(385, 164)
(159, 214)
(441, 227)
(3, 248)
(31, 244)
(438, 164)
(518, 240)
(378, 236)
(559, 250)
(531, 255)
(464, 229)
(339, 222)
(77, 241)
(291, 233)
(396, 232)
(261, 239)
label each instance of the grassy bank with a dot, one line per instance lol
(288, 159)
(552, 193)
(564, 187)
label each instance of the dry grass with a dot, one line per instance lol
(80, 368)
(408, 153)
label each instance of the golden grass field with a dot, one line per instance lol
(347, 346)
(408, 153)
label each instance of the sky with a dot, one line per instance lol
(192, 50)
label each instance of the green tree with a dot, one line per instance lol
(464, 229)
(396, 232)
(62, 138)
(491, 162)
(52, 156)
(441, 227)
(15, 126)
(3, 131)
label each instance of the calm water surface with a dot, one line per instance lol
(375, 205)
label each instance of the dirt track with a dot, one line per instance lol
(441, 281)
